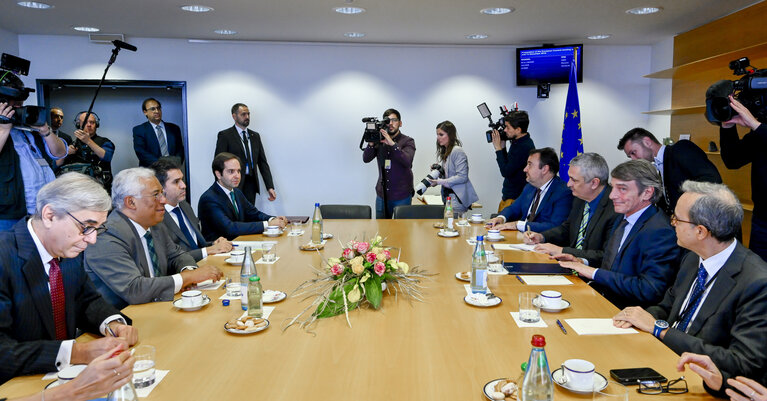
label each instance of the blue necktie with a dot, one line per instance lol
(182, 226)
(696, 295)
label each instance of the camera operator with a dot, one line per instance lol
(512, 162)
(455, 164)
(736, 153)
(26, 156)
(91, 149)
(395, 155)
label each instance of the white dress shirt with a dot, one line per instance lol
(177, 280)
(187, 223)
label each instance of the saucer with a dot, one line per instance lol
(327, 236)
(489, 388)
(447, 234)
(559, 378)
(495, 239)
(277, 234)
(459, 277)
(491, 302)
(237, 331)
(271, 296)
(205, 301)
(312, 247)
(232, 261)
(564, 304)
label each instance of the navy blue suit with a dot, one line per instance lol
(148, 148)
(553, 208)
(219, 219)
(646, 264)
(28, 342)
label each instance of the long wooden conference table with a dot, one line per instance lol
(441, 349)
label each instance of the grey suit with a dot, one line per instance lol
(178, 237)
(117, 264)
(731, 325)
(457, 179)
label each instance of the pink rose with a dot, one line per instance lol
(348, 253)
(362, 247)
(370, 257)
(379, 268)
(337, 269)
(386, 254)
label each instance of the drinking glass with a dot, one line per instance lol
(529, 312)
(269, 254)
(233, 285)
(495, 262)
(143, 368)
(295, 227)
(613, 392)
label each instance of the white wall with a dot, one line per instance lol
(660, 89)
(9, 42)
(307, 101)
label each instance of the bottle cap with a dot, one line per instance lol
(524, 366)
(317, 204)
(448, 198)
(255, 278)
(480, 237)
(225, 302)
(538, 340)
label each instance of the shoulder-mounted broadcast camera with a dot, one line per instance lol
(12, 88)
(750, 90)
(494, 125)
(373, 127)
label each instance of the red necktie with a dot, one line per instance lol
(57, 300)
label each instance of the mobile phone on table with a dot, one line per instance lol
(633, 376)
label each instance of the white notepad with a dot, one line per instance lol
(590, 327)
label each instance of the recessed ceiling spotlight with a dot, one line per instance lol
(354, 35)
(225, 32)
(34, 4)
(497, 10)
(85, 29)
(599, 37)
(476, 36)
(644, 10)
(197, 8)
(349, 10)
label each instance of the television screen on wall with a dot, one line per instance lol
(547, 64)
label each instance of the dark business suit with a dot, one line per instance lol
(553, 207)
(219, 219)
(28, 342)
(645, 265)
(681, 162)
(731, 325)
(118, 266)
(230, 140)
(178, 237)
(147, 146)
(596, 234)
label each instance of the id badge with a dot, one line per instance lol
(387, 164)
(42, 162)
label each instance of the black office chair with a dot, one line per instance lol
(419, 212)
(346, 212)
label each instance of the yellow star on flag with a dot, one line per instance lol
(575, 113)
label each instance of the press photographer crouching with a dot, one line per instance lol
(27, 145)
(90, 154)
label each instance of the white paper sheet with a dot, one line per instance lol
(513, 247)
(587, 327)
(545, 280)
(515, 316)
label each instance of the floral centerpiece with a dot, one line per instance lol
(355, 279)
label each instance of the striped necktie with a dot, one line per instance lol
(152, 253)
(162, 141)
(582, 228)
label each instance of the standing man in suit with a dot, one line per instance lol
(583, 235)
(641, 254)
(135, 261)
(45, 295)
(156, 138)
(718, 303)
(246, 145)
(676, 163)
(180, 221)
(224, 209)
(544, 203)
(512, 162)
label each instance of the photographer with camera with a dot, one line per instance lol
(394, 153)
(455, 165)
(27, 150)
(512, 162)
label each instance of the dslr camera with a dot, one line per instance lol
(12, 88)
(436, 172)
(750, 90)
(373, 127)
(499, 125)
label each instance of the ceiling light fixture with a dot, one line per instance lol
(349, 10)
(497, 10)
(85, 29)
(354, 35)
(599, 37)
(197, 8)
(476, 36)
(225, 32)
(644, 10)
(34, 4)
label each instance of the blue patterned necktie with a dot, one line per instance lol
(152, 253)
(182, 226)
(582, 228)
(697, 294)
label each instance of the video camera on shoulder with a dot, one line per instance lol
(373, 127)
(12, 88)
(494, 125)
(750, 90)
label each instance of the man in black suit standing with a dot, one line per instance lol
(180, 221)
(156, 138)
(245, 143)
(45, 295)
(676, 163)
(583, 235)
(718, 303)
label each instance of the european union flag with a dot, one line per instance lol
(572, 139)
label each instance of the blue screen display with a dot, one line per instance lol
(547, 64)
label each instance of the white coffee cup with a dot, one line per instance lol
(238, 256)
(493, 233)
(579, 373)
(550, 299)
(272, 229)
(70, 372)
(191, 298)
(476, 216)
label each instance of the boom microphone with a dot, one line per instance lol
(122, 45)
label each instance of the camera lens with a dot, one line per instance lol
(720, 109)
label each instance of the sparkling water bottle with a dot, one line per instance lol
(448, 214)
(479, 267)
(248, 269)
(255, 300)
(317, 225)
(537, 385)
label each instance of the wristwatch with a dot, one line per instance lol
(660, 325)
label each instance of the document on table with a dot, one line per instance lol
(589, 327)
(545, 280)
(513, 247)
(240, 246)
(209, 284)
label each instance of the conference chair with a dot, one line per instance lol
(419, 212)
(346, 212)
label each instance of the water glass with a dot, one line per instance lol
(295, 227)
(495, 261)
(613, 392)
(143, 368)
(269, 254)
(529, 312)
(233, 285)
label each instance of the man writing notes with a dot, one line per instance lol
(544, 203)
(224, 210)
(135, 261)
(582, 236)
(718, 303)
(45, 295)
(641, 255)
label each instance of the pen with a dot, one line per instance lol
(111, 332)
(520, 279)
(561, 327)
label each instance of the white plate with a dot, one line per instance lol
(447, 234)
(458, 276)
(599, 382)
(491, 302)
(232, 261)
(276, 296)
(205, 301)
(327, 235)
(235, 331)
(272, 234)
(495, 239)
(563, 305)
(490, 388)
